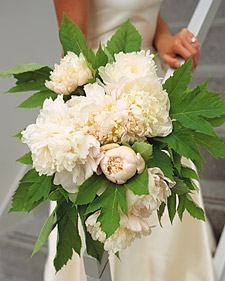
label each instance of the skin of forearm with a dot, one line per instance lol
(162, 33)
(76, 10)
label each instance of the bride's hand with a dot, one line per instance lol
(184, 44)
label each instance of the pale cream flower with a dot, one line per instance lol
(131, 227)
(121, 163)
(159, 190)
(131, 65)
(72, 72)
(142, 109)
(58, 146)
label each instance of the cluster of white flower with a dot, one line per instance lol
(140, 208)
(76, 138)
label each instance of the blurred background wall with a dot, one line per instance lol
(29, 33)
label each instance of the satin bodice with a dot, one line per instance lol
(106, 16)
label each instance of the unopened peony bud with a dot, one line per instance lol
(121, 163)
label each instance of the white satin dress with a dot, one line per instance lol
(180, 252)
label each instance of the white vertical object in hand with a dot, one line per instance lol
(200, 23)
(219, 258)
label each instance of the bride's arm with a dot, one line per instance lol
(180, 44)
(76, 10)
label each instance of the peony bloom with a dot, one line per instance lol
(130, 65)
(72, 72)
(159, 190)
(131, 227)
(59, 146)
(142, 109)
(121, 163)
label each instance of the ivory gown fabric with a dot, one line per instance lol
(180, 252)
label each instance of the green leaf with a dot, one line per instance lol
(126, 39)
(193, 209)
(177, 161)
(19, 198)
(64, 193)
(55, 195)
(180, 187)
(214, 145)
(187, 172)
(30, 177)
(94, 248)
(38, 99)
(101, 58)
(109, 202)
(72, 39)
(145, 149)
(139, 183)
(181, 206)
(191, 185)
(193, 106)
(45, 231)
(31, 81)
(21, 68)
(217, 121)
(177, 84)
(40, 190)
(18, 136)
(87, 191)
(171, 206)
(161, 160)
(26, 159)
(183, 143)
(160, 212)
(68, 237)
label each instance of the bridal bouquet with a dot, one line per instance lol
(109, 140)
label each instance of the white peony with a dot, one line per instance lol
(121, 163)
(59, 146)
(72, 72)
(131, 65)
(143, 109)
(159, 191)
(131, 227)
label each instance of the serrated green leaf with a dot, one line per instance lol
(26, 159)
(87, 191)
(45, 231)
(181, 206)
(64, 193)
(217, 121)
(38, 99)
(177, 84)
(180, 187)
(191, 185)
(73, 197)
(139, 183)
(68, 237)
(55, 195)
(101, 58)
(30, 177)
(21, 68)
(19, 197)
(109, 202)
(94, 248)
(171, 206)
(193, 209)
(126, 39)
(161, 160)
(40, 190)
(177, 161)
(187, 172)
(214, 145)
(193, 106)
(18, 136)
(183, 143)
(72, 39)
(160, 212)
(145, 149)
